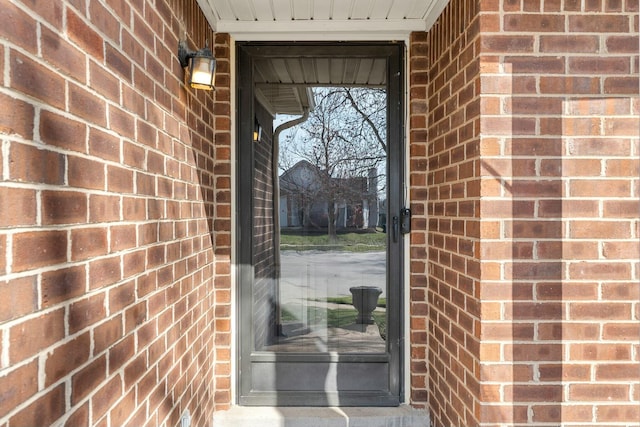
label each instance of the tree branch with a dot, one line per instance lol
(366, 118)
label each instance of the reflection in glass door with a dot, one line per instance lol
(332, 247)
(320, 272)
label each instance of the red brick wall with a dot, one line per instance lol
(560, 167)
(445, 191)
(264, 253)
(115, 289)
(418, 138)
(221, 230)
(554, 293)
(114, 216)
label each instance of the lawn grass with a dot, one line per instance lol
(350, 242)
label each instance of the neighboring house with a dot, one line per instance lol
(120, 227)
(305, 192)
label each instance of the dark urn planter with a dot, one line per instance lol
(365, 300)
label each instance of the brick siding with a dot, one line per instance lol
(560, 174)
(114, 216)
(556, 170)
(265, 292)
(445, 190)
(418, 284)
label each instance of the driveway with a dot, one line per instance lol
(319, 274)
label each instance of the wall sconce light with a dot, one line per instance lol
(202, 71)
(257, 132)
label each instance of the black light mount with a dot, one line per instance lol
(201, 63)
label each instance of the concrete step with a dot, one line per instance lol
(252, 416)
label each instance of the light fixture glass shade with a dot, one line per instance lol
(257, 132)
(203, 72)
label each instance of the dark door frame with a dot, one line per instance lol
(394, 53)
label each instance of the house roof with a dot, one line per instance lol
(306, 165)
(305, 175)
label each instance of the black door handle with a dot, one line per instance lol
(395, 221)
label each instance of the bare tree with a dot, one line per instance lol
(344, 139)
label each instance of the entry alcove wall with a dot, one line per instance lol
(265, 289)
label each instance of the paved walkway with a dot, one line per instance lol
(309, 275)
(308, 278)
(252, 416)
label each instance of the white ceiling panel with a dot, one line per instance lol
(400, 9)
(263, 11)
(363, 71)
(281, 72)
(242, 9)
(283, 84)
(302, 9)
(309, 69)
(341, 10)
(361, 9)
(336, 70)
(281, 10)
(378, 71)
(321, 19)
(380, 9)
(322, 9)
(323, 70)
(419, 8)
(350, 68)
(221, 8)
(284, 99)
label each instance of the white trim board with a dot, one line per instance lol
(354, 30)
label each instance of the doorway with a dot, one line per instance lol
(320, 200)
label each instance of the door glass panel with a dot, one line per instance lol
(320, 229)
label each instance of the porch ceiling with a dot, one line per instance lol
(321, 19)
(279, 99)
(282, 84)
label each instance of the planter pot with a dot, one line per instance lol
(365, 300)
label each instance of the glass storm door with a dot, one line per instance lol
(319, 245)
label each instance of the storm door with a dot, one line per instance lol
(319, 231)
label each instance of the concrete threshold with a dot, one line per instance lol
(253, 416)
